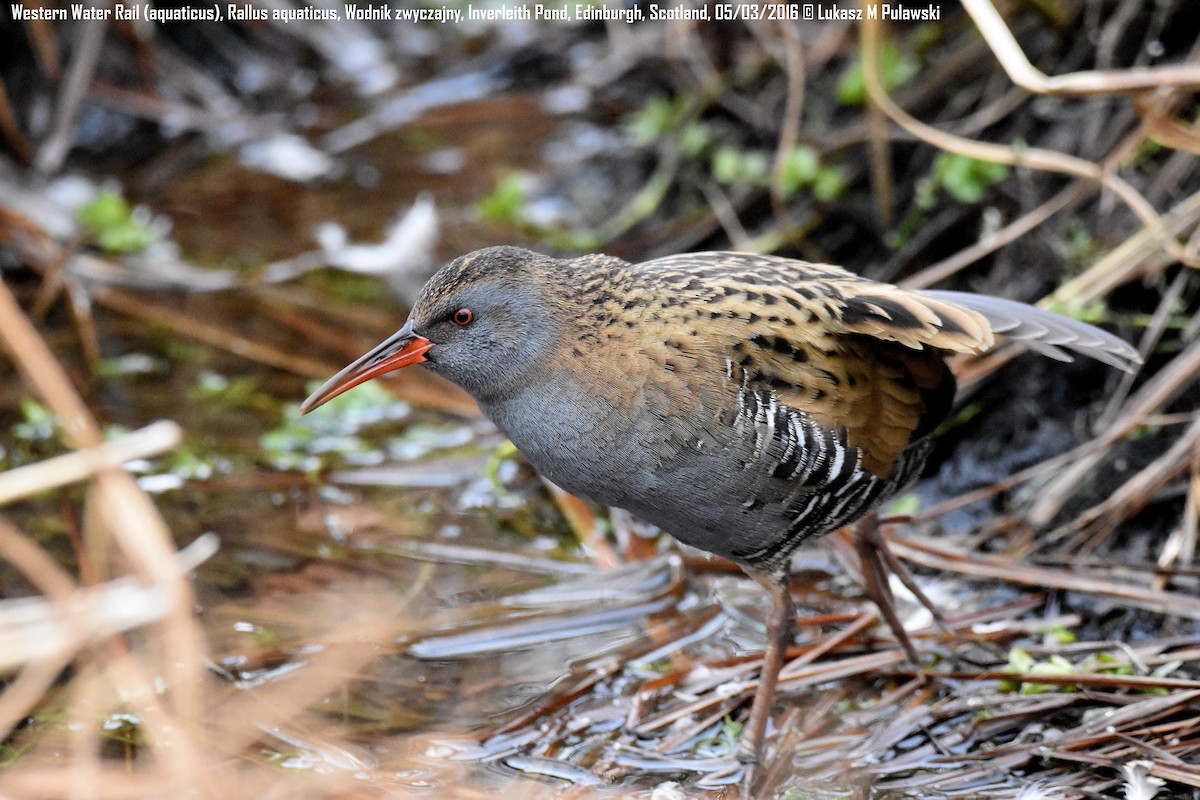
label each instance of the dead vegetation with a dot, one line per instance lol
(1072, 669)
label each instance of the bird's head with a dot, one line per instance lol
(485, 321)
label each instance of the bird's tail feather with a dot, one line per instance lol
(1046, 332)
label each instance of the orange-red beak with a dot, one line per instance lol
(399, 350)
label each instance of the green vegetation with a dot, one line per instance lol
(1102, 663)
(722, 742)
(965, 178)
(895, 68)
(903, 506)
(300, 442)
(239, 392)
(111, 226)
(1021, 662)
(661, 117)
(505, 451)
(505, 205)
(731, 165)
(506, 202)
(38, 423)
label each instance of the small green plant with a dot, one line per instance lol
(573, 240)
(109, 221)
(1079, 246)
(504, 451)
(1021, 662)
(903, 505)
(729, 163)
(187, 464)
(1073, 307)
(1060, 635)
(799, 169)
(238, 392)
(802, 169)
(895, 69)
(722, 742)
(657, 118)
(506, 202)
(1162, 671)
(830, 183)
(694, 139)
(38, 423)
(965, 178)
(506, 205)
(732, 165)
(298, 443)
(960, 418)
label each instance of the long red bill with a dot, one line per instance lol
(399, 350)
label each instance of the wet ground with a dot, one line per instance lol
(434, 620)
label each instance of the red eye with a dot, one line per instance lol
(463, 316)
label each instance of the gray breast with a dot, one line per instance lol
(580, 442)
(752, 485)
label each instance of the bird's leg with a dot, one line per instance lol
(780, 622)
(902, 572)
(870, 546)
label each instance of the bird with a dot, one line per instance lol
(743, 403)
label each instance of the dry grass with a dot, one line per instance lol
(118, 637)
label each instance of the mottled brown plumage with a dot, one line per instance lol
(741, 402)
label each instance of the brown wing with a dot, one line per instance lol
(883, 393)
(853, 353)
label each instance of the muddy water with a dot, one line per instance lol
(392, 531)
(223, 212)
(395, 538)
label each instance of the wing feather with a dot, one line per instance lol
(854, 354)
(1045, 331)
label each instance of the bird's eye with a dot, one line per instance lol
(463, 316)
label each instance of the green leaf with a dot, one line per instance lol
(895, 69)
(506, 202)
(721, 743)
(1163, 670)
(238, 392)
(730, 730)
(830, 183)
(504, 450)
(903, 505)
(967, 178)
(110, 222)
(1060, 634)
(1019, 660)
(109, 208)
(654, 120)
(725, 162)
(301, 442)
(1056, 665)
(38, 423)
(731, 165)
(695, 139)
(800, 169)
